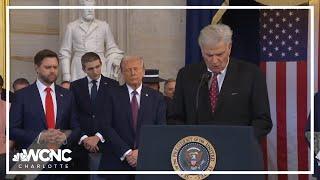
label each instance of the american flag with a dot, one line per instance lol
(284, 59)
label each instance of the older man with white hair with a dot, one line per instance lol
(221, 90)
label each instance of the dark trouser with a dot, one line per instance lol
(94, 162)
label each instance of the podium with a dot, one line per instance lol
(236, 149)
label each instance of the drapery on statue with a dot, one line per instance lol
(88, 34)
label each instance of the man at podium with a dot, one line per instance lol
(221, 90)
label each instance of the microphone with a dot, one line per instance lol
(205, 77)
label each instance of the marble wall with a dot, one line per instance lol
(31, 31)
(157, 35)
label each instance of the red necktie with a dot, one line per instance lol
(134, 109)
(214, 91)
(49, 109)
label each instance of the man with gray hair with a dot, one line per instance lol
(221, 90)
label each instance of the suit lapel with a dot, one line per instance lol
(38, 103)
(204, 100)
(59, 98)
(92, 27)
(84, 90)
(126, 99)
(227, 84)
(144, 103)
(83, 26)
(102, 86)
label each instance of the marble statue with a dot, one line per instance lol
(88, 34)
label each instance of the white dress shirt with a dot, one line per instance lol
(138, 96)
(220, 77)
(41, 88)
(43, 94)
(90, 83)
(89, 87)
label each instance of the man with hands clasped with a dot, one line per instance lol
(129, 107)
(90, 93)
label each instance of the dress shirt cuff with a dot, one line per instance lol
(100, 137)
(38, 141)
(125, 154)
(82, 138)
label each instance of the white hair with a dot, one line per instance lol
(214, 33)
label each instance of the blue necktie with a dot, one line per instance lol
(94, 90)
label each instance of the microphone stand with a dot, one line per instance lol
(204, 78)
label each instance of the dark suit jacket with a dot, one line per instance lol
(27, 117)
(243, 98)
(119, 129)
(91, 115)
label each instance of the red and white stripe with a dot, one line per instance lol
(288, 89)
(285, 145)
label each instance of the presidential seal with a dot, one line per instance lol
(193, 153)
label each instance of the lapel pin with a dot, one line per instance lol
(105, 83)
(147, 94)
(61, 95)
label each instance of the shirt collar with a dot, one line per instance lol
(98, 80)
(130, 89)
(42, 87)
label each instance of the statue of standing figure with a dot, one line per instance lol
(88, 34)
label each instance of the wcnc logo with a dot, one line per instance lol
(40, 158)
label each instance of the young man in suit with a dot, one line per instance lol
(129, 107)
(221, 90)
(42, 112)
(90, 94)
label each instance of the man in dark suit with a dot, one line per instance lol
(43, 111)
(129, 107)
(221, 90)
(90, 94)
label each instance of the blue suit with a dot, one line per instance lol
(120, 133)
(27, 117)
(91, 115)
